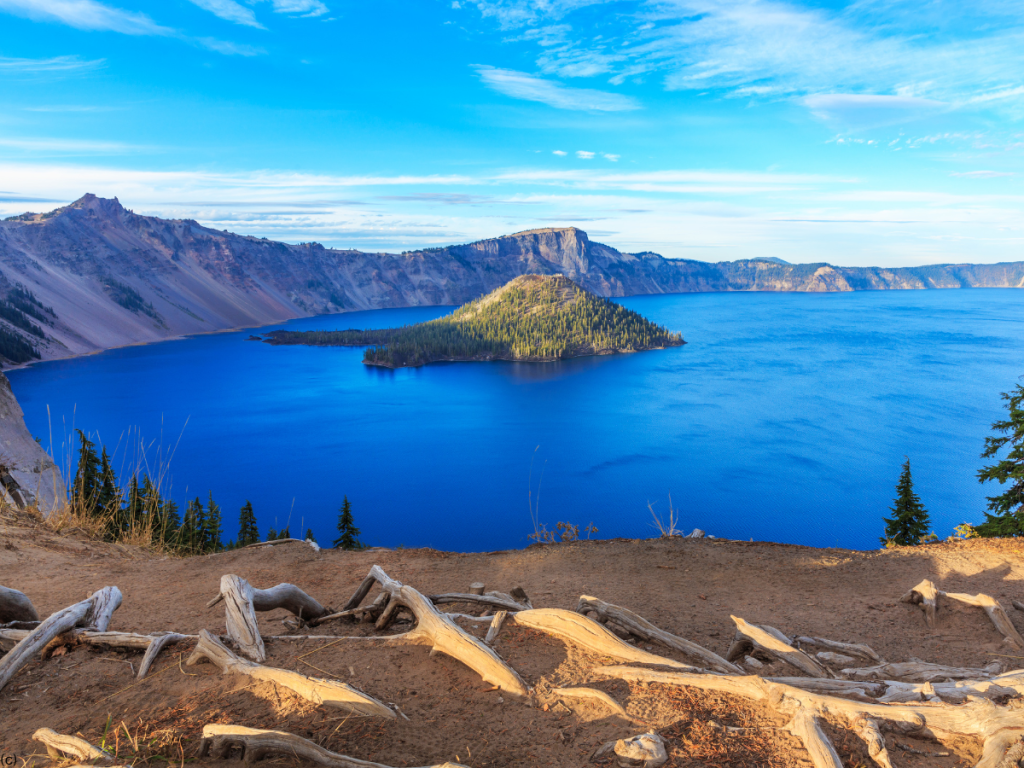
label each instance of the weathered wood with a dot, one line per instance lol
(857, 650)
(588, 634)
(591, 694)
(642, 628)
(327, 692)
(806, 727)
(275, 542)
(495, 628)
(104, 603)
(15, 606)
(915, 672)
(1017, 604)
(58, 745)
(286, 596)
(360, 593)
(442, 634)
(871, 735)
(995, 612)
(838, 659)
(926, 595)
(751, 636)
(493, 600)
(477, 588)
(98, 605)
(255, 744)
(242, 626)
(833, 687)
(156, 644)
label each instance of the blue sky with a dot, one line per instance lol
(870, 132)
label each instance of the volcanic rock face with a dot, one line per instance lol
(114, 278)
(28, 476)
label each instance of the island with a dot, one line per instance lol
(533, 318)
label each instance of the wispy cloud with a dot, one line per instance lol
(54, 64)
(46, 146)
(982, 174)
(86, 14)
(231, 11)
(520, 85)
(584, 155)
(559, 152)
(229, 48)
(305, 8)
(611, 158)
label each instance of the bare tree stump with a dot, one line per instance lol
(773, 643)
(435, 629)
(587, 633)
(15, 606)
(926, 595)
(57, 624)
(477, 588)
(58, 745)
(243, 628)
(642, 628)
(104, 603)
(254, 744)
(327, 692)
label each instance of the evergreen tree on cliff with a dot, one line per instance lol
(193, 528)
(310, 536)
(1007, 509)
(87, 479)
(909, 521)
(248, 533)
(109, 496)
(211, 527)
(347, 531)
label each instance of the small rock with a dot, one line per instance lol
(644, 751)
(753, 663)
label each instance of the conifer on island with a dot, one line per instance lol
(248, 533)
(347, 531)
(1007, 509)
(909, 521)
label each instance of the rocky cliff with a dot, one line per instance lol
(28, 476)
(94, 275)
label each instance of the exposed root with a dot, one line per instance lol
(58, 746)
(775, 644)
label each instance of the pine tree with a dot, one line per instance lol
(286, 533)
(108, 497)
(87, 478)
(347, 531)
(193, 528)
(248, 533)
(310, 536)
(909, 521)
(211, 527)
(272, 534)
(1007, 509)
(130, 511)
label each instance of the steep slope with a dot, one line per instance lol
(113, 277)
(28, 476)
(537, 318)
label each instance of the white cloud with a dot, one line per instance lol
(305, 8)
(559, 152)
(583, 155)
(612, 158)
(229, 48)
(520, 85)
(982, 174)
(44, 146)
(55, 64)
(231, 11)
(86, 14)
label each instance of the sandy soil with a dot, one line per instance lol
(689, 587)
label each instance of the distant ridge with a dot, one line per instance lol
(112, 277)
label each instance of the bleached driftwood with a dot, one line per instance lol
(286, 596)
(492, 599)
(999, 727)
(996, 613)
(96, 609)
(157, 643)
(58, 746)
(588, 634)
(442, 634)
(151, 644)
(772, 642)
(915, 672)
(839, 659)
(15, 606)
(857, 650)
(871, 735)
(495, 628)
(927, 596)
(642, 628)
(591, 694)
(255, 744)
(328, 692)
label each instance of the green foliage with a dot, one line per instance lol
(15, 348)
(286, 533)
(1006, 516)
(248, 533)
(16, 317)
(310, 536)
(130, 299)
(531, 318)
(964, 531)
(909, 521)
(211, 527)
(347, 531)
(86, 487)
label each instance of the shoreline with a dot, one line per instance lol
(596, 353)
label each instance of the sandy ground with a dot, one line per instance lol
(689, 587)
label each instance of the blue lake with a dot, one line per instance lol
(786, 417)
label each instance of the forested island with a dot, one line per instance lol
(536, 318)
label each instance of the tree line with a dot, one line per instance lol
(139, 513)
(910, 520)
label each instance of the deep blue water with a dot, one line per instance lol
(786, 417)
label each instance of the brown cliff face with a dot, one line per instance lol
(113, 277)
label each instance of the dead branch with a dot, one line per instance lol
(493, 599)
(58, 745)
(495, 628)
(996, 614)
(592, 694)
(916, 672)
(849, 649)
(328, 692)
(772, 642)
(254, 744)
(642, 628)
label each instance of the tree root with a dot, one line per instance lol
(926, 595)
(58, 745)
(255, 744)
(327, 692)
(775, 644)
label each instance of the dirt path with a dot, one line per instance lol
(689, 587)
